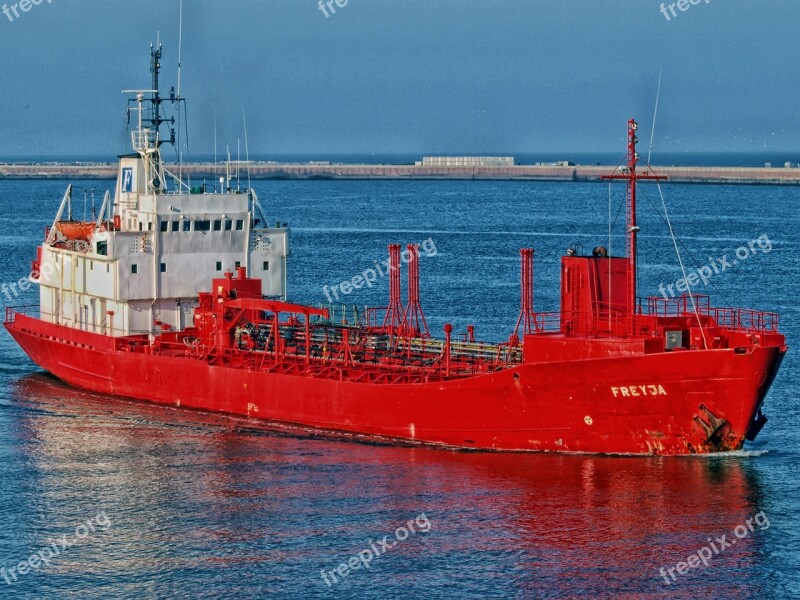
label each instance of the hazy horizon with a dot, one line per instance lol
(688, 159)
(408, 78)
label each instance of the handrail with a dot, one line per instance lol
(12, 311)
(605, 321)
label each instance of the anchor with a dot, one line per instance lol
(715, 428)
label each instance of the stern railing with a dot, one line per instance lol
(13, 311)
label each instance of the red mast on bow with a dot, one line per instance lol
(631, 176)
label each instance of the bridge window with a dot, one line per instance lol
(202, 225)
(134, 269)
(163, 267)
(175, 225)
(219, 265)
(217, 225)
(164, 225)
(239, 224)
(265, 266)
(228, 224)
(186, 224)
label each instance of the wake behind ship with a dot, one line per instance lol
(177, 295)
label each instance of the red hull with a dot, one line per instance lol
(651, 404)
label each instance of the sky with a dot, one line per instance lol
(406, 76)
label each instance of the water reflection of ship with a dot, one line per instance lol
(560, 520)
(570, 522)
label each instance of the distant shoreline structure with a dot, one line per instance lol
(430, 168)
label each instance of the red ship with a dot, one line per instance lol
(178, 297)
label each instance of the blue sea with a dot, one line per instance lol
(101, 497)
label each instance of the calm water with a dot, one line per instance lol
(158, 503)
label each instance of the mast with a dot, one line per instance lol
(155, 120)
(155, 67)
(146, 138)
(631, 176)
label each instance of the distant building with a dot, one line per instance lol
(558, 163)
(466, 161)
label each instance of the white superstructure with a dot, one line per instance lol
(139, 267)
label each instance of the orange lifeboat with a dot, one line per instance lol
(76, 230)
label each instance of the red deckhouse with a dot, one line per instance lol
(178, 297)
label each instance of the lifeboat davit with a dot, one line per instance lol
(76, 230)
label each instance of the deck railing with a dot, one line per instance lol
(13, 311)
(603, 321)
(735, 319)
